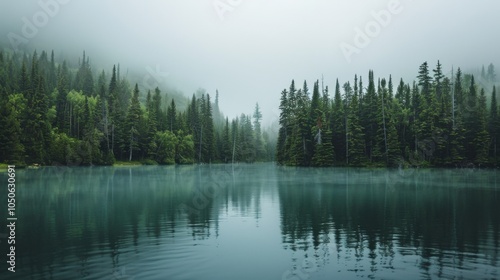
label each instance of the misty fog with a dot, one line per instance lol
(251, 50)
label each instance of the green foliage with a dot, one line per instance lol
(133, 124)
(494, 128)
(259, 142)
(355, 135)
(281, 151)
(185, 149)
(165, 143)
(324, 153)
(439, 121)
(64, 149)
(338, 122)
(53, 114)
(36, 127)
(11, 149)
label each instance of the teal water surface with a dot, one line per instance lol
(253, 221)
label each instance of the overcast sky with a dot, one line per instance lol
(250, 50)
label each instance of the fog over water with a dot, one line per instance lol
(251, 50)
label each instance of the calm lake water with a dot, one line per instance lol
(253, 222)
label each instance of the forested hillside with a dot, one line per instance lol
(435, 121)
(52, 114)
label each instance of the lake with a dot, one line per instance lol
(253, 221)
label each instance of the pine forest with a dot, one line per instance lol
(53, 114)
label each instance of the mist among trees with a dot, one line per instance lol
(52, 114)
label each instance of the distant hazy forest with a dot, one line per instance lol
(53, 114)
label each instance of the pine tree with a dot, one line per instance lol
(52, 74)
(424, 81)
(438, 77)
(458, 95)
(259, 144)
(152, 126)
(471, 122)
(338, 127)
(248, 140)
(114, 114)
(24, 82)
(444, 125)
(62, 121)
(291, 130)
(133, 121)
(226, 143)
(245, 139)
(402, 112)
(346, 104)
(370, 120)
(316, 110)
(207, 131)
(494, 127)
(457, 138)
(393, 145)
(482, 138)
(84, 80)
(381, 137)
(301, 134)
(234, 140)
(281, 151)
(491, 73)
(194, 125)
(156, 107)
(425, 121)
(355, 137)
(171, 117)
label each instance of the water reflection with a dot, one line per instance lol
(255, 222)
(368, 223)
(76, 219)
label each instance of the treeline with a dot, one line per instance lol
(52, 114)
(435, 121)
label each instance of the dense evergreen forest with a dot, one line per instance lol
(53, 114)
(435, 121)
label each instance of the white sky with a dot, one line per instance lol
(252, 52)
